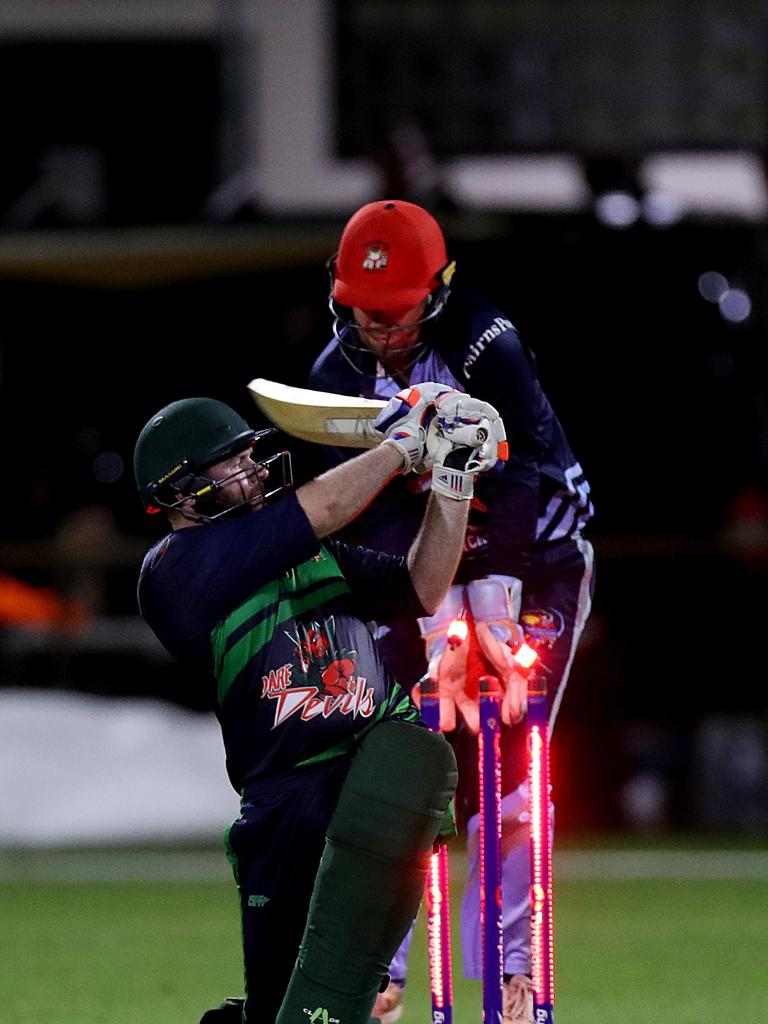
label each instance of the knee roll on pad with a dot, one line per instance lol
(397, 791)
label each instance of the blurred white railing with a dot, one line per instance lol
(86, 770)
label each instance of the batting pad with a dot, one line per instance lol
(372, 874)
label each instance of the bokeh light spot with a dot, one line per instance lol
(735, 305)
(712, 286)
(108, 467)
(617, 209)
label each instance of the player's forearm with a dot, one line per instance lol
(435, 553)
(335, 498)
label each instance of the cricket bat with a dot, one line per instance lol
(319, 416)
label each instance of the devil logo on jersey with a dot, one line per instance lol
(314, 644)
(322, 681)
(320, 662)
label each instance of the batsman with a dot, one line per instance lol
(344, 793)
(399, 319)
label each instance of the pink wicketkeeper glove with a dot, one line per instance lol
(495, 604)
(448, 664)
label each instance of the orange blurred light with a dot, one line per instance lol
(525, 656)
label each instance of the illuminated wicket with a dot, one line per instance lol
(489, 769)
(438, 895)
(540, 832)
(542, 910)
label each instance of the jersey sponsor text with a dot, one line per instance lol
(498, 326)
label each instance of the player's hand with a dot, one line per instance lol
(465, 437)
(449, 670)
(514, 684)
(463, 421)
(447, 665)
(494, 603)
(404, 420)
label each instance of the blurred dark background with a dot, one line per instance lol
(171, 185)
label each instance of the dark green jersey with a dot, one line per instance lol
(278, 624)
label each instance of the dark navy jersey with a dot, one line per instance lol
(539, 495)
(276, 621)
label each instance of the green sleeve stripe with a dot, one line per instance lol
(307, 575)
(231, 664)
(405, 709)
(261, 599)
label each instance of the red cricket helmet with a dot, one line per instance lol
(391, 256)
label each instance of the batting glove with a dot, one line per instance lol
(465, 437)
(495, 605)
(404, 420)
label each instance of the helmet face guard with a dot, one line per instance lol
(184, 483)
(348, 332)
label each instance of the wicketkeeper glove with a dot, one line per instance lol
(404, 420)
(447, 665)
(495, 605)
(465, 437)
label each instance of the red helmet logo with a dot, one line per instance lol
(377, 256)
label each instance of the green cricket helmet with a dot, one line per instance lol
(185, 438)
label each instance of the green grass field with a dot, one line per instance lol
(630, 950)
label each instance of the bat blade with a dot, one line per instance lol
(319, 416)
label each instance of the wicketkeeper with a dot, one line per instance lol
(344, 792)
(399, 319)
